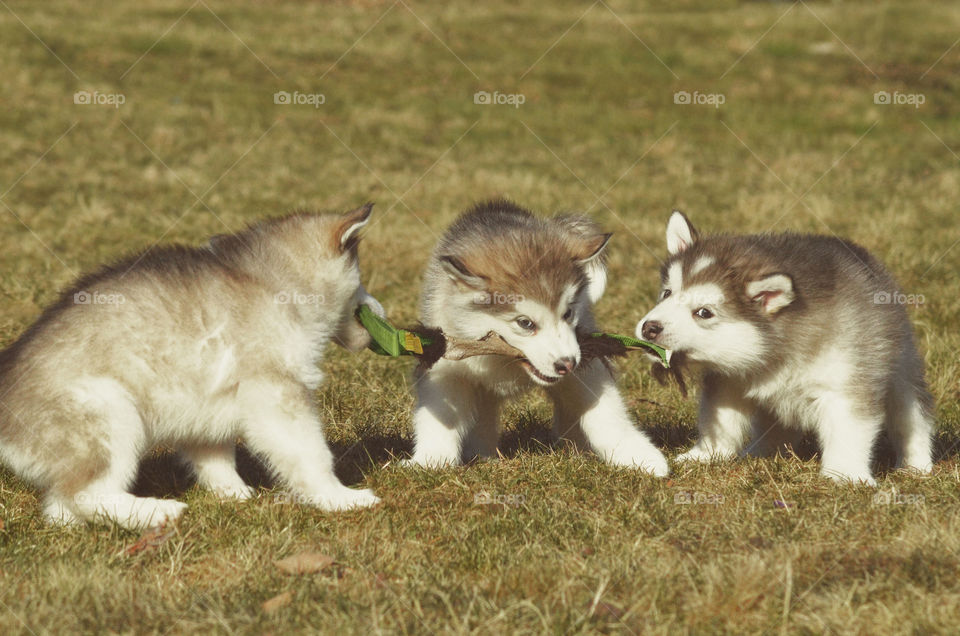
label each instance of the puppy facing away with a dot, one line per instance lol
(793, 333)
(187, 348)
(533, 282)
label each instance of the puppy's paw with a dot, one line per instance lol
(343, 498)
(238, 492)
(846, 476)
(642, 457)
(429, 462)
(703, 455)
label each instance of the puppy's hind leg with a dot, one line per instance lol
(590, 399)
(911, 426)
(480, 441)
(216, 468)
(108, 437)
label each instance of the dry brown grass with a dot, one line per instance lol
(200, 147)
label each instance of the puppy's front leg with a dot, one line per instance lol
(847, 433)
(281, 424)
(724, 422)
(449, 406)
(589, 401)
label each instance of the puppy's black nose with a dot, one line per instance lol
(651, 329)
(563, 366)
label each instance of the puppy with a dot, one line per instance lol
(794, 333)
(187, 348)
(533, 282)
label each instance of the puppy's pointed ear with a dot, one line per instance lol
(458, 271)
(590, 248)
(346, 235)
(773, 292)
(680, 233)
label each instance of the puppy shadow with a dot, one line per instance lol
(164, 474)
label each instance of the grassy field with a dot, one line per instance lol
(199, 145)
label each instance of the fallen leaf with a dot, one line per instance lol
(304, 563)
(150, 540)
(608, 611)
(280, 600)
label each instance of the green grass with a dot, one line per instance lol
(583, 547)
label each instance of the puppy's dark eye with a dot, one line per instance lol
(568, 314)
(703, 313)
(665, 294)
(526, 324)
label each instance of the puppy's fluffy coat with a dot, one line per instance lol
(187, 348)
(533, 282)
(794, 333)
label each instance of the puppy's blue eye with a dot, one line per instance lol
(568, 314)
(526, 323)
(703, 313)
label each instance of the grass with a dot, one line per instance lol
(199, 147)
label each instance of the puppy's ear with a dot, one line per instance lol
(773, 292)
(589, 248)
(458, 271)
(346, 234)
(680, 233)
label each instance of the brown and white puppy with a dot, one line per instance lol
(796, 333)
(186, 348)
(532, 281)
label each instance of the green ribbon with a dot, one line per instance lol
(634, 344)
(387, 340)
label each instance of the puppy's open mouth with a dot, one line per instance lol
(547, 379)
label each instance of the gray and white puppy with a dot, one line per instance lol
(187, 348)
(793, 333)
(532, 281)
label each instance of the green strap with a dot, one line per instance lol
(634, 344)
(387, 340)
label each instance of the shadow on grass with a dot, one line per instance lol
(162, 474)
